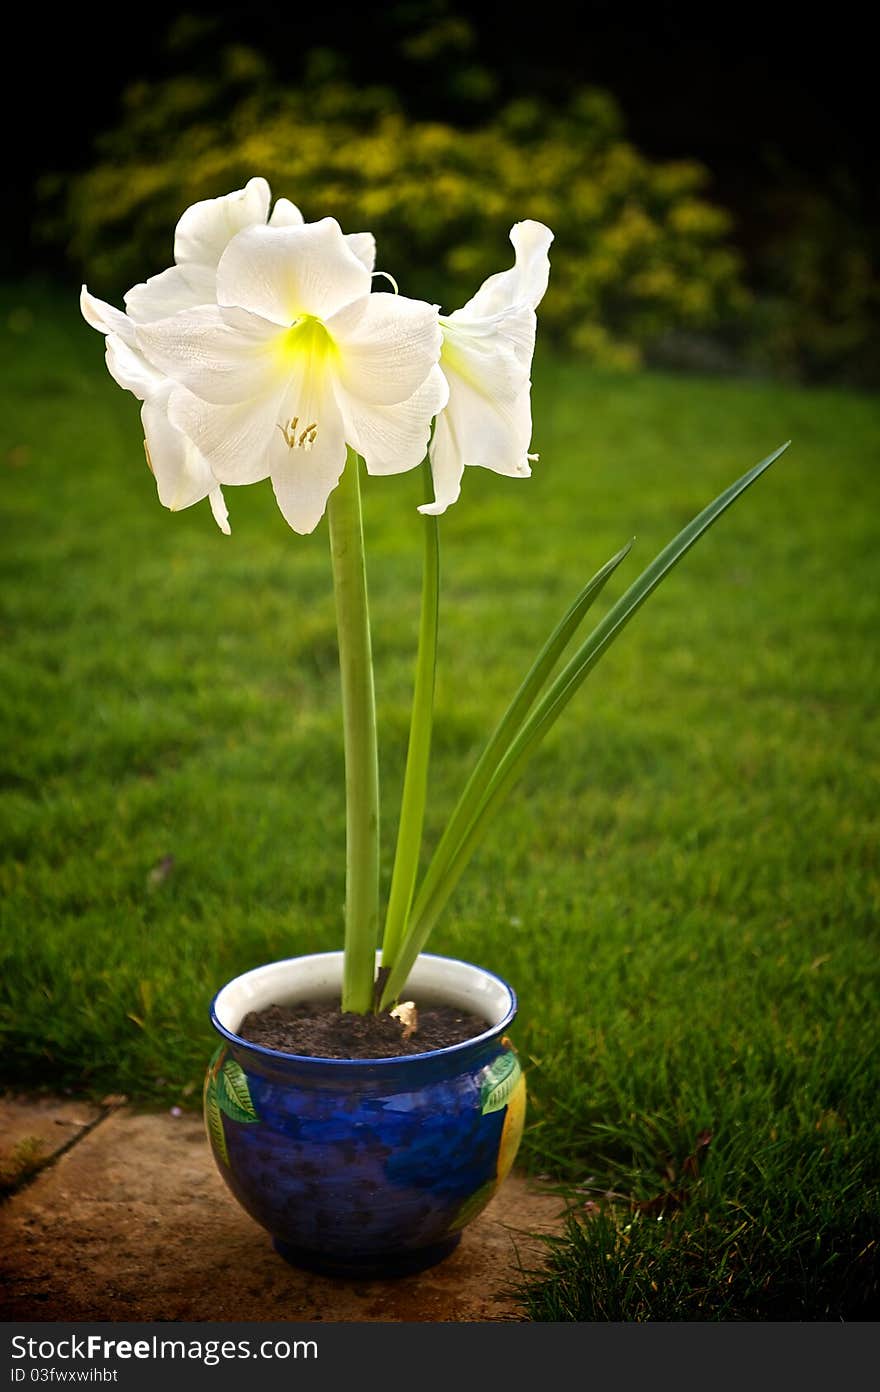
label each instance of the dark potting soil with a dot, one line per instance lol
(317, 1029)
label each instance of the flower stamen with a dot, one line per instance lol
(304, 440)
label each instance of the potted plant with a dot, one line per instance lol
(363, 1105)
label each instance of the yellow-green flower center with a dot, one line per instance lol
(306, 340)
(305, 351)
(458, 355)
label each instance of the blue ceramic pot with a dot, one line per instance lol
(365, 1165)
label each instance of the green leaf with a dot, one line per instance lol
(233, 1093)
(434, 895)
(498, 1084)
(597, 644)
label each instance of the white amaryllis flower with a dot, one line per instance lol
(296, 360)
(487, 358)
(183, 476)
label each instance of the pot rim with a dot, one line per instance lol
(489, 1033)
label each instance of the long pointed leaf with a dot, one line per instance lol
(428, 907)
(509, 726)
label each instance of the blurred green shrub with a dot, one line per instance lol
(639, 252)
(816, 317)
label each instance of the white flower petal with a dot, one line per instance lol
(393, 439)
(447, 467)
(508, 330)
(518, 327)
(490, 434)
(485, 357)
(130, 368)
(286, 214)
(223, 357)
(220, 510)
(235, 440)
(205, 229)
(387, 347)
(481, 431)
(180, 287)
(285, 273)
(304, 479)
(525, 282)
(363, 244)
(105, 317)
(183, 477)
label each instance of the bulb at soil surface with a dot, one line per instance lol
(408, 1016)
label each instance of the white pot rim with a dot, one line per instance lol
(445, 979)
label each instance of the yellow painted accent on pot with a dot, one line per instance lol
(511, 1135)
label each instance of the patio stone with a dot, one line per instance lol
(135, 1223)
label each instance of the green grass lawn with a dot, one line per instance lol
(683, 889)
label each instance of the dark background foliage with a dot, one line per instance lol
(773, 100)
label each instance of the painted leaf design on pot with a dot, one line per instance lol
(213, 1118)
(499, 1082)
(234, 1094)
(214, 1123)
(226, 1091)
(503, 1086)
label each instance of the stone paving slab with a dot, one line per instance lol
(33, 1130)
(135, 1223)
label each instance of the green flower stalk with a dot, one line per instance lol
(361, 752)
(415, 783)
